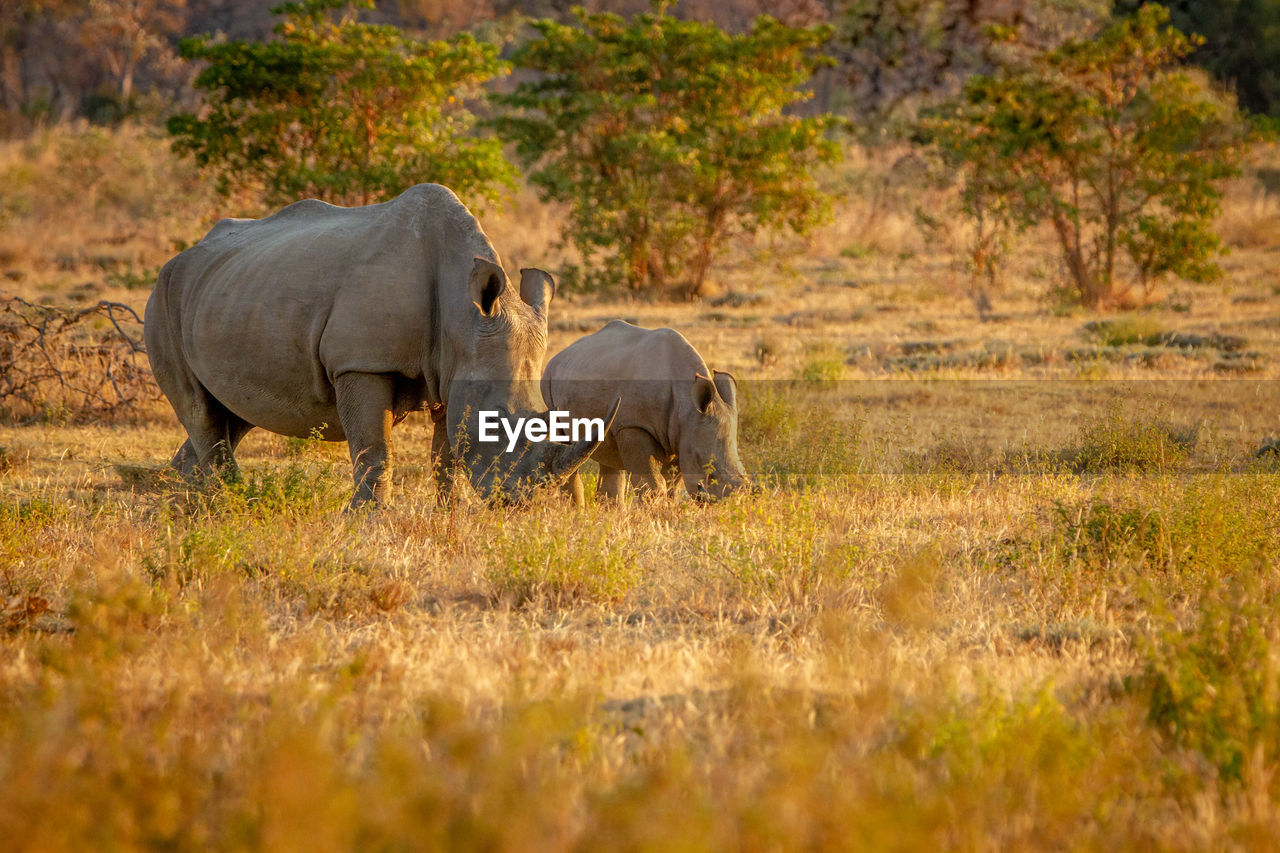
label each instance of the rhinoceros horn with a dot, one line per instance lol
(571, 456)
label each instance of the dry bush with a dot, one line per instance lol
(80, 366)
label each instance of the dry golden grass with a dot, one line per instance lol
(1015, 589)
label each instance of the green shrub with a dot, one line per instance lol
(821, 370)
(340, 110)
(533, 560)
(1106, 533)
(1126, 330)
(787, 554)
(1111, 141)
(297, 489)
(1193, 533)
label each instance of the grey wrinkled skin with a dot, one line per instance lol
(338, 322)
(676, 416)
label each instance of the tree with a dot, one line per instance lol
(1110, 141)
(341, 110)
(32, 39)
(127, 31)
(668, 137)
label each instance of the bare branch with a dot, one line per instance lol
(54, 363)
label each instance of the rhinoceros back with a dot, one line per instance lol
(266, 313)
(648, 368)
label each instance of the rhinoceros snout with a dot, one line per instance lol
(712, 489)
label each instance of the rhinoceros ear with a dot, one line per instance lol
(536, 289)
(486, 284)
(727, 386)
(704, 393)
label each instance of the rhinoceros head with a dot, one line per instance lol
(498, 370)
(709, 463)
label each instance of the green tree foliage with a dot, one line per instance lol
(669, 137)
(341, 110)
(1110, 141)
(1241, 45)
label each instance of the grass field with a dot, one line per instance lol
(1012, 582)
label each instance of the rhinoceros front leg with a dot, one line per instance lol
(640, 453)
(365, 409)
(441, 459)
(575, 489)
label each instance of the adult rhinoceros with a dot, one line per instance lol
(340, 321)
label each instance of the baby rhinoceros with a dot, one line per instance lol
(675, 413)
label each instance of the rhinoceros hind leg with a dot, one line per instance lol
(185, 461)
(365, 402)
(613, 483)
(213, 433)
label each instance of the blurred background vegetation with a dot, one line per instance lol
(665, 130)
(105, 59)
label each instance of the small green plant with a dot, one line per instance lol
(1123, 331)
(1109, 533)
(293, 490)
(792, 440)
(1185, 536)
(950, 456)
(1135, 441)
(340, 110)
(821, 370)
(787, 555)
(297, 448)
(1111, 141)
(132, 278)
(667, 137)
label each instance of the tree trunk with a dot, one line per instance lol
(699, 267)
(12, 95)
(637, 263)
(126, 76)
(1087, 285)
(712, 229)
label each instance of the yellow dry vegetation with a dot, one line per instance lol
(1012, 580)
